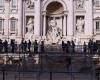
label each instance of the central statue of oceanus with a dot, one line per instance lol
(54, 32)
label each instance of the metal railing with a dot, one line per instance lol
(49, 66)
(18, 48)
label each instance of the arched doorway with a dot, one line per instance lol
(54, 17)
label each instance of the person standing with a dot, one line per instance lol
(42, 46)
(1, 45)
(90, 46)
(29, 45)
(5, 44)
(63, 46)
(12, 46)
(22, 45)
(68, 46)
(95, 47)
(35, 46)
(84, 47)
(25, 46)
(73, 46)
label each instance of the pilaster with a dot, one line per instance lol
(70, 23)
(20, 19)
(37, 18)
(89, 18)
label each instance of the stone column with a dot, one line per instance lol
(23, 18)
(37, 18)
(64, 26)
(44, 25)
(89, 18)
(6, 21)
(70, 17)
(19, 27)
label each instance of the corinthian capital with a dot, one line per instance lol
(7, 0)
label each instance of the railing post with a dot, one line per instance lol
(50, 75)
(3, 72)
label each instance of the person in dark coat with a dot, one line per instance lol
(90, 46)
(1, 45)
(35, 46)
(73, 46)
(95, 48)
(42, 46)
(29, 45)
(68, 46)
(12, 46)
(25, 46)
(22, 45)
(84, 47)
(63, 46)
(5, 44)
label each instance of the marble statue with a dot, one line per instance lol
(79, 4)
(80, 25)
(54, 32)
(30, 28)
(30, 4)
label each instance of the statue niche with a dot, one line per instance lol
(54, 32)
(80, 24)
(29, 28)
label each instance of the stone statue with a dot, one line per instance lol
(79, 4)
(80, 25)
(30, 4)
(30, 28)
(54, 33)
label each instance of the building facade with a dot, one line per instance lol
(50, 20)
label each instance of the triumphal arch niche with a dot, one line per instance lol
(54, 23)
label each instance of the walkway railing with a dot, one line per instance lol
(18, 48)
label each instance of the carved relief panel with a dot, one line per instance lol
(30, 4)
(80, 4)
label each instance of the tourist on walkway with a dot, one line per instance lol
(29, 45)
(68, 46)
(25, 46)
(5, 44)
(67, 51)
(35, 46)
(1, 45)
(42, 46)
(22, 45)
(95, 48)
(73, 46)
(63, 46)
(12, 46)
(84, 47)
(90, 46)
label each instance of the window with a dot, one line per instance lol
(97, 3)
(1, 24)
(13, 24)
(14, 3)
(97, 25)
(1, 3)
